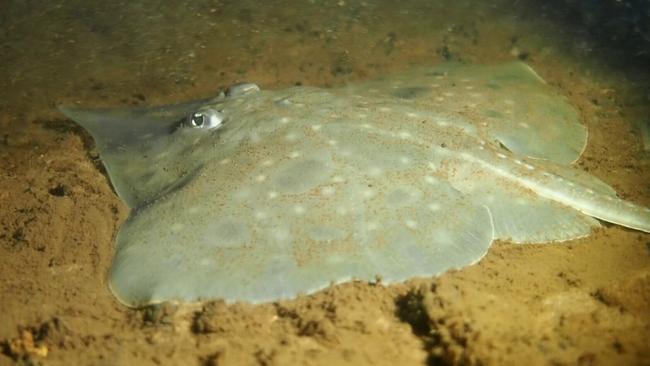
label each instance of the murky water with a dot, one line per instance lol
(126, 52)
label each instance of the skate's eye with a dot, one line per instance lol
(206, 119)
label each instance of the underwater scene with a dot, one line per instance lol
(325, 182)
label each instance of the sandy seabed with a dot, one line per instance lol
(583, 302)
